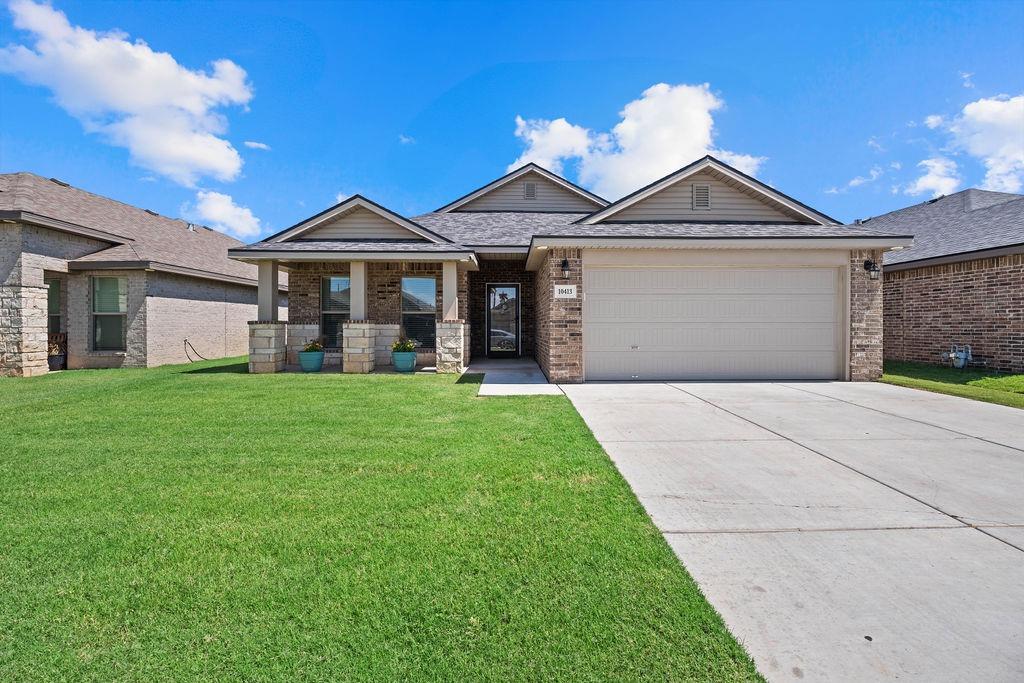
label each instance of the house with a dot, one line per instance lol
(961, 283)
(706, 273)
(112, 285)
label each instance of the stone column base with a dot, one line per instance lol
(359, 339)
(451, 346)
(267, 346)
(23, 340)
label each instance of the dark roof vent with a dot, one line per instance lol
(59, 182)
(191, 227)
(151, 212)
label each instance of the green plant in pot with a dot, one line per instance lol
(311, 357)
(403, 355)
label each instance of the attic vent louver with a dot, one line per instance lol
(701, 197)
(529, 190)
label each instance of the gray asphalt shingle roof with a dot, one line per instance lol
(149, 237)
(966, 221)
(498, 228)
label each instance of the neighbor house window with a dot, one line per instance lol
(109, 313)
(53, 322)
(419, 310)
(335, 302)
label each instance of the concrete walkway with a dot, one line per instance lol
(511, 377)
(845, 532)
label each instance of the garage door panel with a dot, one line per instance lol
(712, 323)
(732, 336)
(718, 280)
(717, 308)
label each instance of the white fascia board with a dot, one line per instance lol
(343, 256)
(682, 174)
(541, 244)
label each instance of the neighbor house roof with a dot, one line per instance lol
(138, 238)
(963, 225)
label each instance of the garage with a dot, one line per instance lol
(714, 315)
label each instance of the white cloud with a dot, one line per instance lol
(992, 130)
(966, 78)
(406, 139)
(933, 121)
(220, 212)
(340, 197)
(940, 177)
(252, 144)
(895, 165)
(163, 113)
(874, 174)
(874, 144)
(668, 127)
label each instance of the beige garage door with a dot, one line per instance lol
(705, 323)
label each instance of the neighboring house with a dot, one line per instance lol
(705, 274)
(961, 283)
(111, 284)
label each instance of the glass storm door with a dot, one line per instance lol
(502, 321)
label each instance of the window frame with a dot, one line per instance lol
(403, 312)
(94, 314)
(327, 311)
(50, 315)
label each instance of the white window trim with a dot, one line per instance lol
(402, 312)
(348, 313)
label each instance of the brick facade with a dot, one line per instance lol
(978, 302)
(502, 271)
(865, 318)
(559, 337)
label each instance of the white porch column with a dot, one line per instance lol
(357, 291)
(266, 296)
(450, 291)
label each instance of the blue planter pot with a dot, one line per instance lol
(311, 361)
(404, 361)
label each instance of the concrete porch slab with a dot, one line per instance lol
(511, 377)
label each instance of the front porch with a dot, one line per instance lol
(358, 308)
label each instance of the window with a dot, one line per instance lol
(419, 310)
(53, 322)
(109, 313)
(702, 197)
(335, 302)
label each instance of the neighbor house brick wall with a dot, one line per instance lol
(510, 270)
(865, 318)
(28, 255)
(80, 353)
(978, 302)
(212, 315)
(559, 332)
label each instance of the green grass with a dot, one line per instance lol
(980, 385)
(196, 522)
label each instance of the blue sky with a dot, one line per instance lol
(855, 109)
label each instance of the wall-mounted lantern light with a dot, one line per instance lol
(565, 268)
(872, 268)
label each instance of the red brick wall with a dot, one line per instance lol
(560, 321)
(979, 302)
(865, 318)
(501, 271)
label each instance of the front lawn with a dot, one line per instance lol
(199, 522)
(969, 383)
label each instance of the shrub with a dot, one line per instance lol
(403, 345)
(313, 346)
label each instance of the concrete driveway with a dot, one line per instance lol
(845, 532)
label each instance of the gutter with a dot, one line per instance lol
(62, 226)
(165, 268)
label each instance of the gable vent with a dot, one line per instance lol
(701, 197)
(529, 190)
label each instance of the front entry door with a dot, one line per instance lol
(502, 321)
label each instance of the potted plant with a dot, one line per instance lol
(403, 355)
(311, 357)
(56, 357)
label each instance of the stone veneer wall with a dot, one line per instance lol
(267, 351)
(500, 271)
(978, 302)
(865, 318)
(451, 346)
(559, 338)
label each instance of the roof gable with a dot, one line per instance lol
(735, 197)
(357, 218)
(553, 194)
